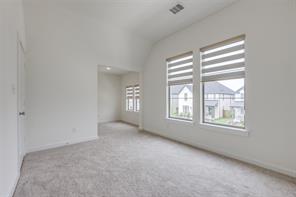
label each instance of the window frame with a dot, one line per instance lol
(127, 103)
(136, 106)
(134, 99)
(169, 106)
(168, 92)
(217, 126)
(202, 111)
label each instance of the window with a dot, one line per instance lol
(129, 92)
(222, 79)
(180, 91)
(185, 109)
(132, 98)
(185, 96)
(137, 98)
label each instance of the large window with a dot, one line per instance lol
(180, 91)
(223, 87)
(129, 92)
(137, 98)
(132, 95)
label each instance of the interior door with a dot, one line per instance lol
(21, 103)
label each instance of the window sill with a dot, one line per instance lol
(224, 129)
(182, 121)
(131, 111)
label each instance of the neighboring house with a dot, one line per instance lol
(181, 104)
(217, 100)
(239, 94)
(185, 104)
(238, 106)
(220, 102)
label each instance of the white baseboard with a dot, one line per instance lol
(108, 121)
(60, 144)
(13, 188)
(14, 185)
(272, 167)
(45, 147)
(130, 123)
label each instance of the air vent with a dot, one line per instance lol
(177, 8)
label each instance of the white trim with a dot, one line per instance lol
(268, 166)
(218, 128)
(130, 123)
(60, 144)
(224, 129)
(14, 185)
(179, 120)
(22, 42)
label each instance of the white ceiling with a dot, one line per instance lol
(150, 19)
(118, 33)
(112, 70)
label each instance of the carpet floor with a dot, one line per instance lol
(125, 162)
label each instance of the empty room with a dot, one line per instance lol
(147, 98)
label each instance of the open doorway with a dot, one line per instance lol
(119, 94)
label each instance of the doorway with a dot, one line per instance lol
(119, 93)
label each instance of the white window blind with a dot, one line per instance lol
(137, 91)
(129, 92)
(137, 98)
(224, 60)
(180, 69)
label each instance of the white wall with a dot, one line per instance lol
(91, 38)
(64, 50)
(11, 22)
(61, 84)
(109, 97)
(129, 79)
(270, 47)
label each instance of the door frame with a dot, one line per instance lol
(20, 79)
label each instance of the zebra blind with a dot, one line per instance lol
(180, 69)
(137, 98)
(129, 91)
(137, 91)
(224, 60)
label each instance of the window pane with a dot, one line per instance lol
(130, 104)
(138, 104)
(180, 101)
(223, 102)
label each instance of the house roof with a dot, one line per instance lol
(210, 88)
(178, 88)
(239, 89)
(217, 88)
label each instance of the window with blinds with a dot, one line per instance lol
(132, 94)
(224, 60)
(137, 98)
(129, 95)
(180, 91)
(180, 69)
(222, 79)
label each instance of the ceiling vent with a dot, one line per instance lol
(177, 8)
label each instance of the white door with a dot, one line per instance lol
(21, 103)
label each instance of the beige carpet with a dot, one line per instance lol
(128, 163)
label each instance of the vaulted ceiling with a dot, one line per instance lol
(148, 18)
(115, 33)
